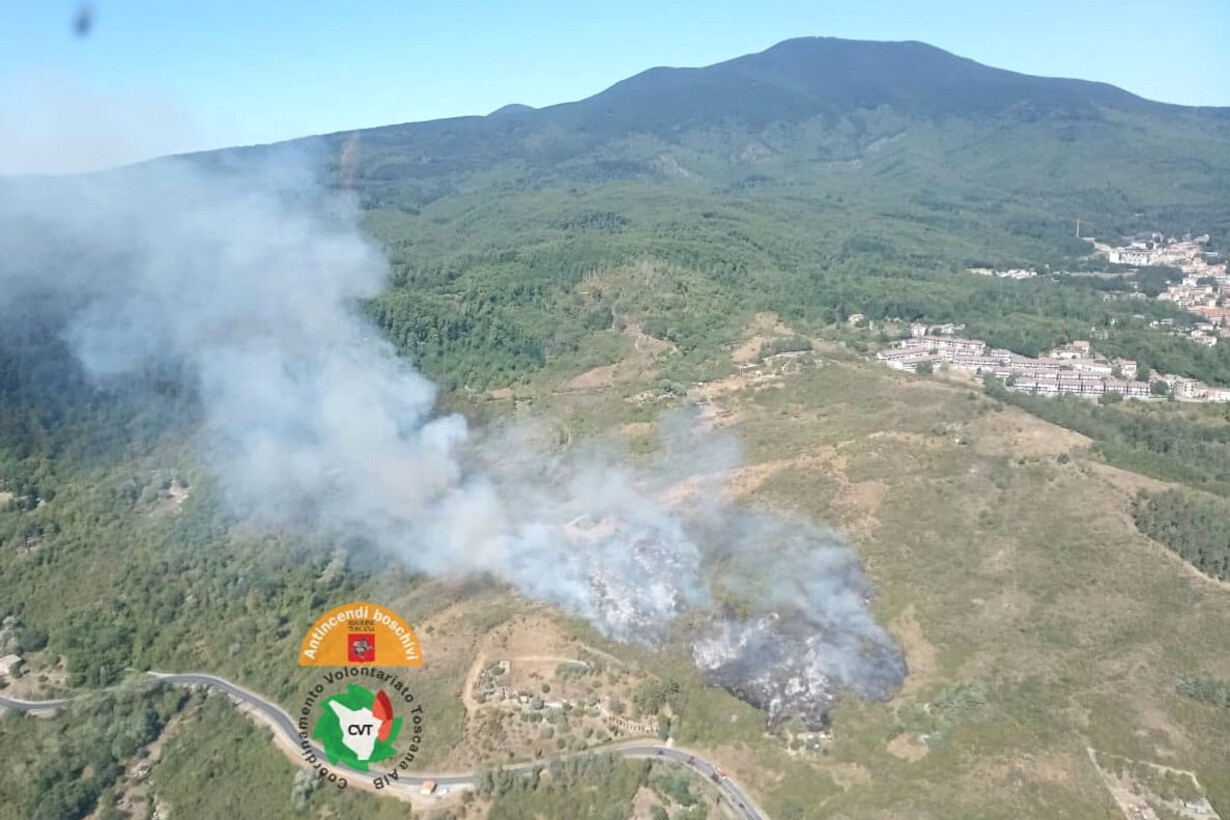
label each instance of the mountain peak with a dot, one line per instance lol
(512, 108)
(809, 76)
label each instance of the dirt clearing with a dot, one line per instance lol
(908, 747)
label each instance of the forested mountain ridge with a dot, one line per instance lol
(804, 104)
(819, 178)
(791, 82)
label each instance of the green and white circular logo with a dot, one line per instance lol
(357, 727)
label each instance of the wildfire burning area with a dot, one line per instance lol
(786, 665)
(248, 287)
(802, 629)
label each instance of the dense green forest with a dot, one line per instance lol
(1196, 528)
(61, 769)
(502, 277)
(488, 318)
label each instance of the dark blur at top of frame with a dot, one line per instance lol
(83, 20)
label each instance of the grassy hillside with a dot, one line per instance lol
(1035, 619)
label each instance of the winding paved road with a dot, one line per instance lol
(34, 707)
(730, 791)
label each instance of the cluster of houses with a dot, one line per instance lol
(1159, 250)
(1074, 369)
(1071, 370)
(1204, 292)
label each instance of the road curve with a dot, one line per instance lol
(34, 707)
(729, 790)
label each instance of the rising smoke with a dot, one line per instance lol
(252, 286)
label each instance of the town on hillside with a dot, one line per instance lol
(1204, 271)
(1204, 290)
(1075, 369)
(1189, 254)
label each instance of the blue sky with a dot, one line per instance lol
(160, 76)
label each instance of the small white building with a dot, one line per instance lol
(948, 329)
(1187, 388)
(1127, 367)
(1200, 805)
(10, 665)
(1131, 256)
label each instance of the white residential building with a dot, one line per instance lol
(1127, 367)
(1131, 256)
(956, 346)
(1093, 367)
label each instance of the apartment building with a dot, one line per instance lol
(1129, 389)
(1076, 373)
(1092, 367)
(906, 358)
(956, 346)
(1131, 256)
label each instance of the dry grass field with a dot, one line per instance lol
(1036, 620)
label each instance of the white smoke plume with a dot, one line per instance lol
(252, 287)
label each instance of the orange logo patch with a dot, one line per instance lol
(360, 633)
